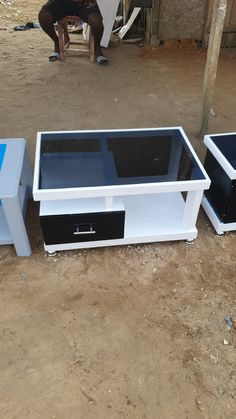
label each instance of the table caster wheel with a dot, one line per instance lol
(220, 234)
(51, 254)
(189, 241)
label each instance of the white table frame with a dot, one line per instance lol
(185, 228)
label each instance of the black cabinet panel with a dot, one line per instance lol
(222, 192)
(73, 228)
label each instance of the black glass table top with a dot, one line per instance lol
(227, 146)
(84, 159)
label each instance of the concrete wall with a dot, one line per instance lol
(182, 19)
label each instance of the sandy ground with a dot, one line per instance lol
(124, 332)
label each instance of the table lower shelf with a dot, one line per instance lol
(148, 218)
(5, 235)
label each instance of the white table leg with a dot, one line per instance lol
(16, 225)
(192, 205)
(26, 174)
(108, 203)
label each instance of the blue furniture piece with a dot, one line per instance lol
(2, 152)
(15, 189)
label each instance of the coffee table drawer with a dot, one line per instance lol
(75, 228)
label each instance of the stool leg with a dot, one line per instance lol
(61, 41)
(91, 46)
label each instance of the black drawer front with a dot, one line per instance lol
(58, 229)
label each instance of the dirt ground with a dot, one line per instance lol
(125, 332)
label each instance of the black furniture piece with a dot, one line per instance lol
(219, 201)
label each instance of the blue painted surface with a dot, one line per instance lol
(2, 153)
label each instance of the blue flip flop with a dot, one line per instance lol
(101, 60)
(54, 56)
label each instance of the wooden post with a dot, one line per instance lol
(152, 16)
(154, 22)
(213, 53)
(125, 10)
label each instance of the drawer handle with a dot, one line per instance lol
(79, 232)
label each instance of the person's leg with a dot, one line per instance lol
(95, 22)
(47, 21)
(92, 16)
(51, 12)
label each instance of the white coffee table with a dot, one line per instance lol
(106, 188)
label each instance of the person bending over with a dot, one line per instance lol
(87, 10)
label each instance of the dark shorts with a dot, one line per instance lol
(61, 8)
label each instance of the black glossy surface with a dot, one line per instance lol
(227, 146)
(59, 229)
(222, 192)
(70, 160)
